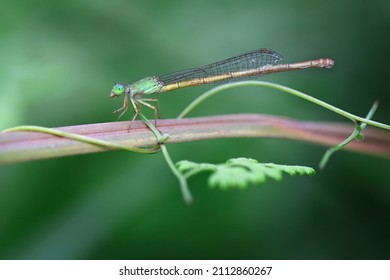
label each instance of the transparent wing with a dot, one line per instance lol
(250, 60)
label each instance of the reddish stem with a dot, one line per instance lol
(24, 146)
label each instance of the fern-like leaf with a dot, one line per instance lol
(241, 172)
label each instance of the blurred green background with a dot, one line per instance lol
(58, 62)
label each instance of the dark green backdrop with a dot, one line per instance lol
(58, 62)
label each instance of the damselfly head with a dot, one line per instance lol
(117, 90)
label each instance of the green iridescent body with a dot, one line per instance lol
(148, 85)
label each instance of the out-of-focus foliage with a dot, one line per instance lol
(58, 63)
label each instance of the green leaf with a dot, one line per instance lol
(241, 172)
(189, 168)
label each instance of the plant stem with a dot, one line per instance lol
(355, 134)
(297, 93)
(19, 146)
(81, 138)
(181, 178)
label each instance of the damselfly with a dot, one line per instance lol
(242, 67)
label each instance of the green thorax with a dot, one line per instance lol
(148, 85)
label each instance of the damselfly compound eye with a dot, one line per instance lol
(117, 90)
